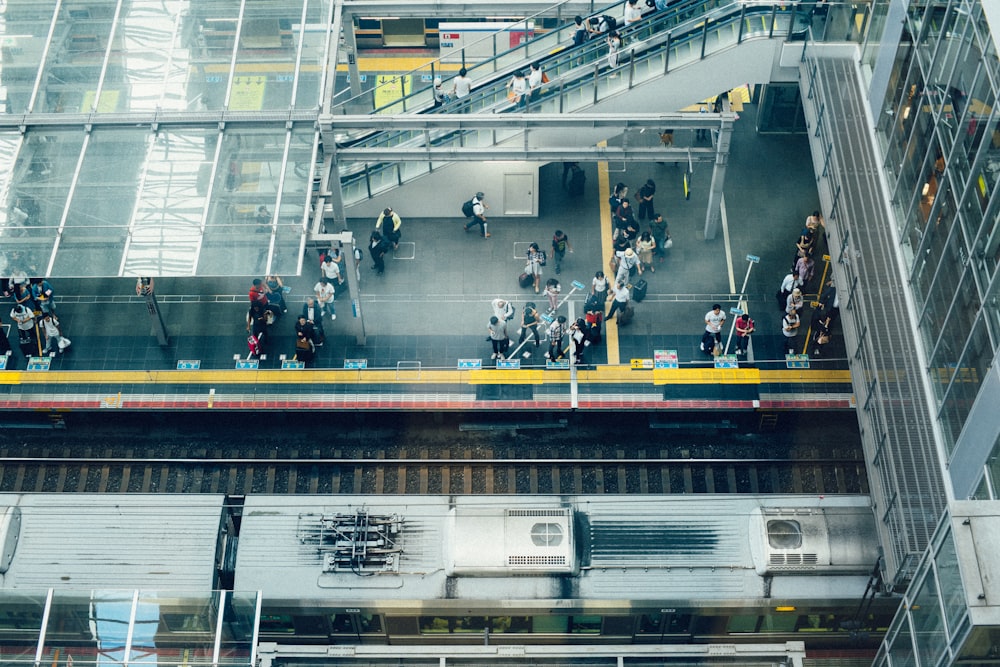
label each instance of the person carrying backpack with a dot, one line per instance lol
(475, 211)
(560, 244)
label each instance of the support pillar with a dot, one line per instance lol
(713, 216)
(144, 288)
(351, 49)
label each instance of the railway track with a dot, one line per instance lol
(435, 471)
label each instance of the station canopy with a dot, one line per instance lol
(159, 137)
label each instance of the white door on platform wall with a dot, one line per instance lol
(518, 194)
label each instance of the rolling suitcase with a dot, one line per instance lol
(639, 288)
(624, 317)
(525, 280)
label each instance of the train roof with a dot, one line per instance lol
(462, 548)
(105, 542)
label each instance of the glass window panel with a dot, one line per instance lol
(969, 374)
(649, 624)
(434, 624)
(983, 644)
(25, 27)
(213, 38)
(314, 38)
(42, 178)
(779, 622)
(190, 629)
(950, 580)
(901, 651)
(928, 624)
(588, 625)
(341, 624)
(370, 623)
(742, 623)
(509, 624)
(167, 229)
(150, 72)
(246, 178)
(550, 624)
(238, 629)
(75, 60)
(266, 57)
(103, 203)
(20, 623)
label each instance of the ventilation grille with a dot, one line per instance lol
(536, 560)
(794, 560)
(536, 512)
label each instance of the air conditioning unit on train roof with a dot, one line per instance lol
(795, 540)
(494, 542)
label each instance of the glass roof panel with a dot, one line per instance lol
(93, 237)
(313, 36)
(75, 59)
(246, 178)
(165, 238)
(294, 207)
(24, 27)
(152, 67)
(266, 56)
(213, 27)
(42, 179)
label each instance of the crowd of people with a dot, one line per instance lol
(791, 295)
(33, 315)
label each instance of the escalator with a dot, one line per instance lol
(711, 41)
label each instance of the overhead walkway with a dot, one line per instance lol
(710, 40)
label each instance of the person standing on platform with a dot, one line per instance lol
(378, 247)
(714, 319)
(644, 247)
(556, 332)
(804, 267)
(529, 325)
(560, 244)
(552, 290)
(503, 309)
(54, 339)
(645, 196)
(620, 297)
(478, 214)
(330, 269)
(795, 302)
(312, 315)
(599, 287)
(324, 297)
(790, 329)
(25, 320)
(497, 330)
(308, 330)
(391, 233)
(534, 266)
(41, 292)
(305, 349)
(744, 327)
(789, 283)
(660, 231)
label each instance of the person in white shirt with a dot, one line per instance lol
(324, 297)
(461, 87)
(633, 12)
(714, 319)
(517, 89)
(535, 81)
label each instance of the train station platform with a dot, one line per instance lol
(425, 319)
